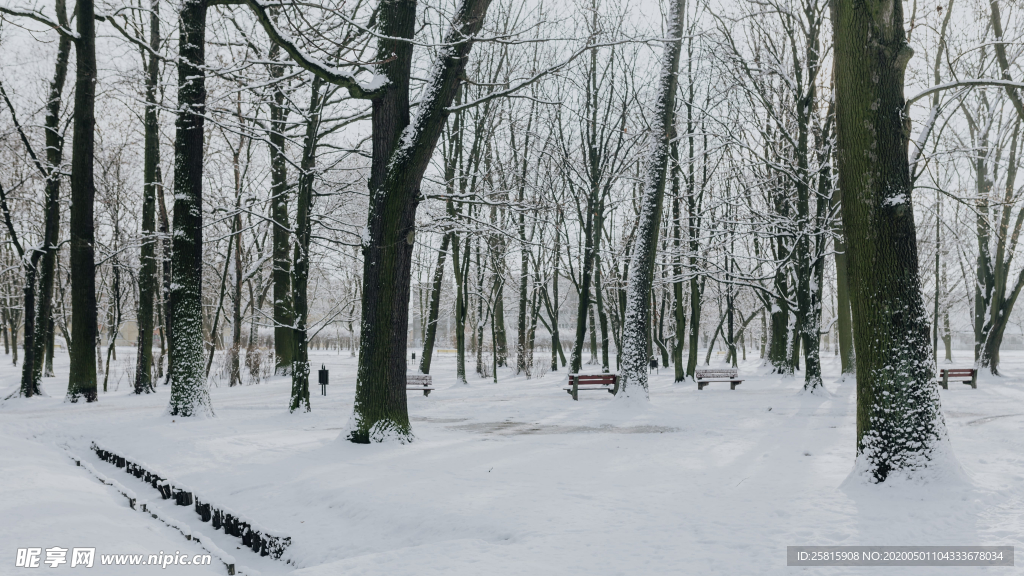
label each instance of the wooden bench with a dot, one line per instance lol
(419, 382)
(578, 382)
(968, 376)
(708, 375)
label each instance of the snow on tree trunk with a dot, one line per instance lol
(900, 430)
(636, 326)
(380, 411)
(54, 156)
(189, 395)
(284, 315)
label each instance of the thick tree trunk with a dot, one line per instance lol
(284, 315)
(82, 379)
(401, 154)
(899, 425)
(148, 270)
(779, 351)
(189, 394)
(641, 271)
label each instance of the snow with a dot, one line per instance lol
(507, 478)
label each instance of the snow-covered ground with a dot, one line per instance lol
(506, 478)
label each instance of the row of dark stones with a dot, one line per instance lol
(262, 544)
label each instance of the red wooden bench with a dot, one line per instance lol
(578, 382)
(422, 382)
(968, 376)
(709, 375)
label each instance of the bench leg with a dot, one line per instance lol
(734, 384)
(945, 381)
(426, 392)
(701, 385)
(576, 390)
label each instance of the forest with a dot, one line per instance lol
(222, 187)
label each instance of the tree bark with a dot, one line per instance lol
(677, 272)
(284, 315)
(899, 425)
(82, 379)
(641, 271)
(435, 305)
(844, 322)
(189, 394)
(235, 376)
(165, 273)
(148, 270)
(460, 265)
(304, 234)
(401, 154)
(54, 158)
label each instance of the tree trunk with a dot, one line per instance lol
(300, 268)
(115, 318)
(844, 323)
(399, 162)
(284, 316)
(460, 264)
(189, 394)
(148, 270)
(899, 425)
(582, 310)
(165, 264)
(235, 377)
(82, 379)
(500, 340)
(51, 232)
(602, 316)
(479, 329)
(435, 304)
(641, 271)
(215, 323)
(677, 271)
(48, 367)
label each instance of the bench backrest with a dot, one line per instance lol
(717, 373)
(957, 371)
(604, 379)
(418, 379)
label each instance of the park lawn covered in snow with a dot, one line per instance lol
(508, 478)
